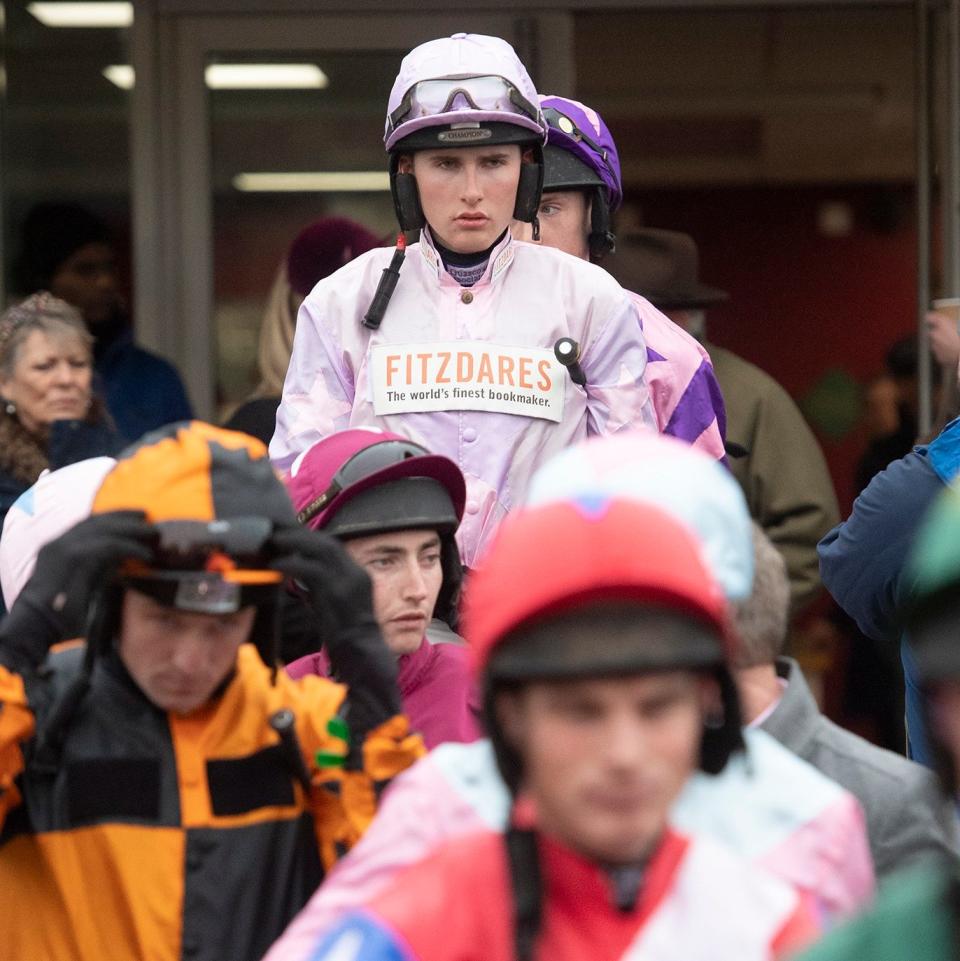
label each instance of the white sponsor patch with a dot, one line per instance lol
(466, 375)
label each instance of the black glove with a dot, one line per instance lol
(54, 604)
(341, 597)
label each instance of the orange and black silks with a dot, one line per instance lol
(159, 837)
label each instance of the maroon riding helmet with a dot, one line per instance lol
(366, 481)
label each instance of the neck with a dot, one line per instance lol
(466, 269)
(759, 688)
(106, 333)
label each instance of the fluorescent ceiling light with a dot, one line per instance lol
(264, 76)
(120, 74)
(110, 14)
(240, 76)
(343, 181)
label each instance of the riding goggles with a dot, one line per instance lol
(486, 94)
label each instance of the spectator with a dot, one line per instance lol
(396, 508)
(319, 250)
(67, 250)
(595, 742)
(862, 560)
(456, 349)
(51, 416)
(906, 818)
(582, 190)
(775, 457)
(917, 918)
(892, 409)
(167, 792)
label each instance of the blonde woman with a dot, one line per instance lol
(317, 251)
(49, 413)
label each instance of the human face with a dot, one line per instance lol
(945, 716)
(694, 322)
(605, 759)
(178, 659)
(468, 194)
(50, 380)
(564, 217)
(405, 570)
(88, 280)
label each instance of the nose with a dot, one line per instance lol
(472, 192)
(415, 584)
(106, 278)
(65, 374)
(624, 743)
(189, 654)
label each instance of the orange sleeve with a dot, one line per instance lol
(16, 726)
(344, 801)
(799, 931)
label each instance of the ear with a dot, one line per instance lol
(711, 701)
(527, 156)
(405, 164)
(510, 709)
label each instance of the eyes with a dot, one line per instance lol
(455, 164)
(584, 709)
(88, 270)
(172, 619)
(49, 363)
(391, 563)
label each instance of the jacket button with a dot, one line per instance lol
(472, 507)
(469, 434)
(466, 297)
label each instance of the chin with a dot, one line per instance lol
(184, 708)
(178, 705)
(405, 643)
(622, 847)
(622, 840)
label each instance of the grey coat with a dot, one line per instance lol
(907, 817)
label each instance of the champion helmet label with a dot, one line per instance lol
(464, 136)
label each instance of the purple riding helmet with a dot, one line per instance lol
(467, 90)
(581, 155)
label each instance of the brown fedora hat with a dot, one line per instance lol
(661, 265)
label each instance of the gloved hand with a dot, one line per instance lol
(54, 603)
(341, 597)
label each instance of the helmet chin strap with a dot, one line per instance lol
(601, 240)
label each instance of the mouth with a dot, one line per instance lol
(176, 687)
(619, 803)
(472, 220)
(410, 620)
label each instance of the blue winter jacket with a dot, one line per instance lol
(862, 559)
(142, 391)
